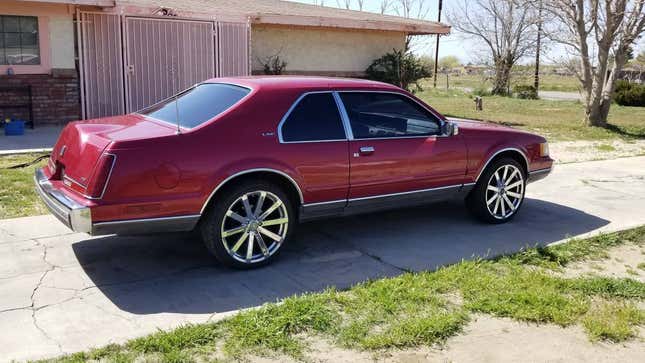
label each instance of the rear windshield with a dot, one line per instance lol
(197, 105)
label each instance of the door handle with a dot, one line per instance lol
(366, 150)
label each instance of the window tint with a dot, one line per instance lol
(19, 40)
(315, 117)
(374, 115)
(198, 104)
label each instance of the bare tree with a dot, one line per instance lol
(347, 4)
(608, 26)
(506, 27)
(385, 6)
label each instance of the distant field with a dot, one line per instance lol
(548, 82)
(556, 120)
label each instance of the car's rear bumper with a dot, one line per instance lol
(74, 215)
(539, 174)
(78, 217)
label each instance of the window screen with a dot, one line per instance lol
(19, 40)
(375, 115)
(314, 118)
(198, 104)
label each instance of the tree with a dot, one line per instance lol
(449, 62)
(506, 27)
(610, 27)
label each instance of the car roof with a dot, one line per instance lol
(303, 82)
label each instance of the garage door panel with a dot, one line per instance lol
(166, 56)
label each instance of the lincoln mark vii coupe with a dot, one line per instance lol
(242, 160)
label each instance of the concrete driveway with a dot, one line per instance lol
(62, 292)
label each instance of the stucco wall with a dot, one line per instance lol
(56, 36)
(324, 51)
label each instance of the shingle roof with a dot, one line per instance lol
(292, 13)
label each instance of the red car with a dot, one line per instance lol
(244, 159)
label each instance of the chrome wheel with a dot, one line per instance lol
(254, 226)
(504, 191)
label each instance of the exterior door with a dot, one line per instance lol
(164, 57)
(397, 148)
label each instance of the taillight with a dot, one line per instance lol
(100, 177)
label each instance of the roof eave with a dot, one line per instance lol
(102, 3)
(332, 22)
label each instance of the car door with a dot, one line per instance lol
(397, 151)
(313, 138)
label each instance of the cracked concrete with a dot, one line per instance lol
(65, 292)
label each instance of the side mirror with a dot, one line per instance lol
(449, 129)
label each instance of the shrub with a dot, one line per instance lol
(273, 65)
(629, 94)
(399, 68)
(525, 91)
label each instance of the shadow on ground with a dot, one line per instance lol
(175, 273)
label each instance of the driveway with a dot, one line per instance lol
(62, 292)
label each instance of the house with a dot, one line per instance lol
(62, 60)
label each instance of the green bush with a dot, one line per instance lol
(399, 68)
(629, 94)
(525, 91)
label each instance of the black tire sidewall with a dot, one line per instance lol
(211, 225)
(476, 200)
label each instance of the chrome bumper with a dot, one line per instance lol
(75, 216)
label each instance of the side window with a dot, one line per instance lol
(373, 115)
(315, 118)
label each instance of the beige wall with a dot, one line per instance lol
(310, 50)
(56, 36)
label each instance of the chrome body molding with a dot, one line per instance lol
(146, 225)
(219, 186)
(374, 203)
(526, 160)
(539, 174)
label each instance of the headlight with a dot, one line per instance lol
(544, 149)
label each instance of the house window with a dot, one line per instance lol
(19, 40)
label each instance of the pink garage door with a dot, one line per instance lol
(101, 64)
(164, 57)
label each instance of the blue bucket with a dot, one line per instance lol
(14, 128)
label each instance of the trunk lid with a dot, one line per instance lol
(82, 143)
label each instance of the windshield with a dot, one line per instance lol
(197, 105)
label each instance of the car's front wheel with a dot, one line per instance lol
(499, 192)
(247, 227)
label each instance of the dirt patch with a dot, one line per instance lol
(626, 261)
(489, 339)
(575, 151)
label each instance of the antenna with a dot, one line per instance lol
(174, 86)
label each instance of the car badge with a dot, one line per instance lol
(62, 151)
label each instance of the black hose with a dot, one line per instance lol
(24, 165)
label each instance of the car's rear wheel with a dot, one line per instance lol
(248, 226)
(499, 193)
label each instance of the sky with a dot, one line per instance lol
(455, 44)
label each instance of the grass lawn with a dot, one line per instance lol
(548, 82)
(17, 195)
(556, 120)
(414, 309)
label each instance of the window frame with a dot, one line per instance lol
(295, 104)
(424, 107)
(44, 45)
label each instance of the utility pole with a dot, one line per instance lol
(436, 51)
(537, 53)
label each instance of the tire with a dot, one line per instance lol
(227, 228)
(491, 200)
